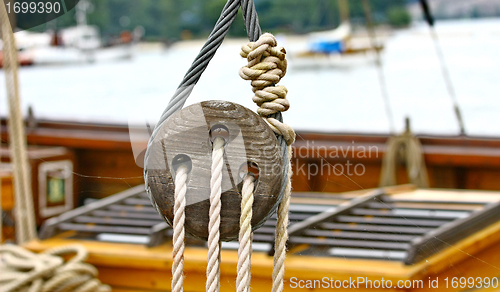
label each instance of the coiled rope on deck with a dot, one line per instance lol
(22, 270)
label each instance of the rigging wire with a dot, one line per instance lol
(380, 68)
(444, 68)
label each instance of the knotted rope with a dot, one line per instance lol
(271, 100)
(22, 270)
(213, 267)
(178, 236)
(266, 66)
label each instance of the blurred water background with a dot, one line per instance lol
(343, 98)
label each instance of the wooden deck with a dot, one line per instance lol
(467, 245)
(130, 267)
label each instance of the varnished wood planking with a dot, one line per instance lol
(345, 181)
(36, 156)
(485, 179)
(125, 289)
(7, 192)
(453, 162)
(7, 204)
(477, 256)
(104, 172)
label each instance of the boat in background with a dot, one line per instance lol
(22, 59)
(331, 42)
(337, 47)
(78, 44)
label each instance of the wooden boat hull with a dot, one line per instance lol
(105, 163)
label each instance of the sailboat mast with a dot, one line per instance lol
(81, 12)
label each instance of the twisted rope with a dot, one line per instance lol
(178, 236)
(245, 248)
(413, 158)
(198, 67)
(266, 66)
(213, 266)
(282, 233)
(204, 57)
(24, 211)
(271, 100)
(22, 270)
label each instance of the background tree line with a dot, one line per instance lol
(174, 19)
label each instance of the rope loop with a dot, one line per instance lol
(22, 270)
(266, 66)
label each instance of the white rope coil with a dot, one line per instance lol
(22, 270)
(179, 233)
(245, 236)
(213, 265)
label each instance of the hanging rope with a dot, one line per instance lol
(178, 236)
(444, 68)
(206, 54)
(245, 236)
(380, 68)
(22, 270)
(213, 267)
(266, 66)
(24, 211)
(271, 100)
(282, 233)
(404, 147)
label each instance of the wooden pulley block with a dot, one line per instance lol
(187, 137)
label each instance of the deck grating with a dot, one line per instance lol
(381, 228)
